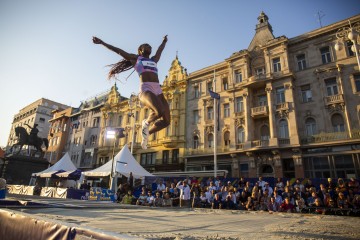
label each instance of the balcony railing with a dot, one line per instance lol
(239, 114)
(260, 143)
(204, 151)
(239, 146)
(282, 106)
(334, 99)
(331, 137)
(261, 110)
(284, 141)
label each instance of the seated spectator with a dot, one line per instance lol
(308, 185)
(262, 206)
(356, 201)
(353, 184)
(342, 201)
(261, 183)
(241, 183)
(342, 186)
(249, 205)
(311, 200)
(290, 187)
(273, 206)
(331, 185)
(175, 197)
(149, 199)
(278, 198)
(142, 198)
(217, 203)
(299, 185)
(167, 202)
(128, 198)
(160, 186)
(287, 206)
(300, 203)
(228, 203)
(319, 207)
(204, 203)
(322, 191)
(242, 200)
(287, 193)
(158, 200)
(270, 189)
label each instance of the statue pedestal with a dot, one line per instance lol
(17, 169)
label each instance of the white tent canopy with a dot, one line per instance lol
(64, 164)
(124, 163)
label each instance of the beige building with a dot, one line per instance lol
(288, 108)
(38, 112)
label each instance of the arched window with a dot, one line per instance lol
(283, 129)
(227, 138)
(195, 142)
(310, 127)
(337, 122)
(211, 140)
(264, 133)
(240, 135)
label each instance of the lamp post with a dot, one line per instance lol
(351, 33)
(115, 134)
(133, 104)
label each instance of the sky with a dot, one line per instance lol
(46, 48)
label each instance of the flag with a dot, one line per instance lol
(214, 95)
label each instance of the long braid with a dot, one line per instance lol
(119, 67)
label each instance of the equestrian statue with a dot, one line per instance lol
(30, 139)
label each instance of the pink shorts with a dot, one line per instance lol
(153, 87)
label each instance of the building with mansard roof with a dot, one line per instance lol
(289, 107)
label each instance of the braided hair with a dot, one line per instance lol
(121, 66)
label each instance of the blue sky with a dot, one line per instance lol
(46, 48)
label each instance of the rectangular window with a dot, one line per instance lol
(209, 87)
(196, 116)
(238, 77)
(331, 87)
(357, 82)
(210, 113)
(280, 95)
(226, 110)
(239, 104)
(301, 62)
(276, 65)
(306, 94)
(325, 55)
(165, 158)
(175, 155)
(225, 84)
(262, 100)
(196, 92)
(148, 158)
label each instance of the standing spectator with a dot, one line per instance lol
(131, 181)
(241, 183)
(280, 185)
(184, 193)
(331, 185)
(261, 183)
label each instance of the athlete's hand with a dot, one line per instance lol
(165, 38)
(97, 40)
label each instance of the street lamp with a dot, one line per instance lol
(351, 33)
(133, 104)
(114, 133)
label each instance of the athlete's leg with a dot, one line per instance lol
(153, 102)
(165, 117)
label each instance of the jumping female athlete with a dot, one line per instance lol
(150, 93)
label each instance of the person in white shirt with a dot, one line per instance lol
(267, 186)
(160, 186)
(261, 183)
(184, 193)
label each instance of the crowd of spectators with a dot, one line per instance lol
(258, 195)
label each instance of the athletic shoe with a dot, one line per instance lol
(145, 134)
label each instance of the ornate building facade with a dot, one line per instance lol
(288, 108)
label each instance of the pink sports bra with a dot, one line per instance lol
(145, 65)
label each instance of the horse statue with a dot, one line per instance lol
(25, 139)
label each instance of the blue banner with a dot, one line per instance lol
(101, 194)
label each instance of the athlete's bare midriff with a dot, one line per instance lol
(149, 77)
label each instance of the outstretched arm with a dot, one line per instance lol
(157, 56)
(127, 56)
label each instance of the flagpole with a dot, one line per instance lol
(215, 130)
